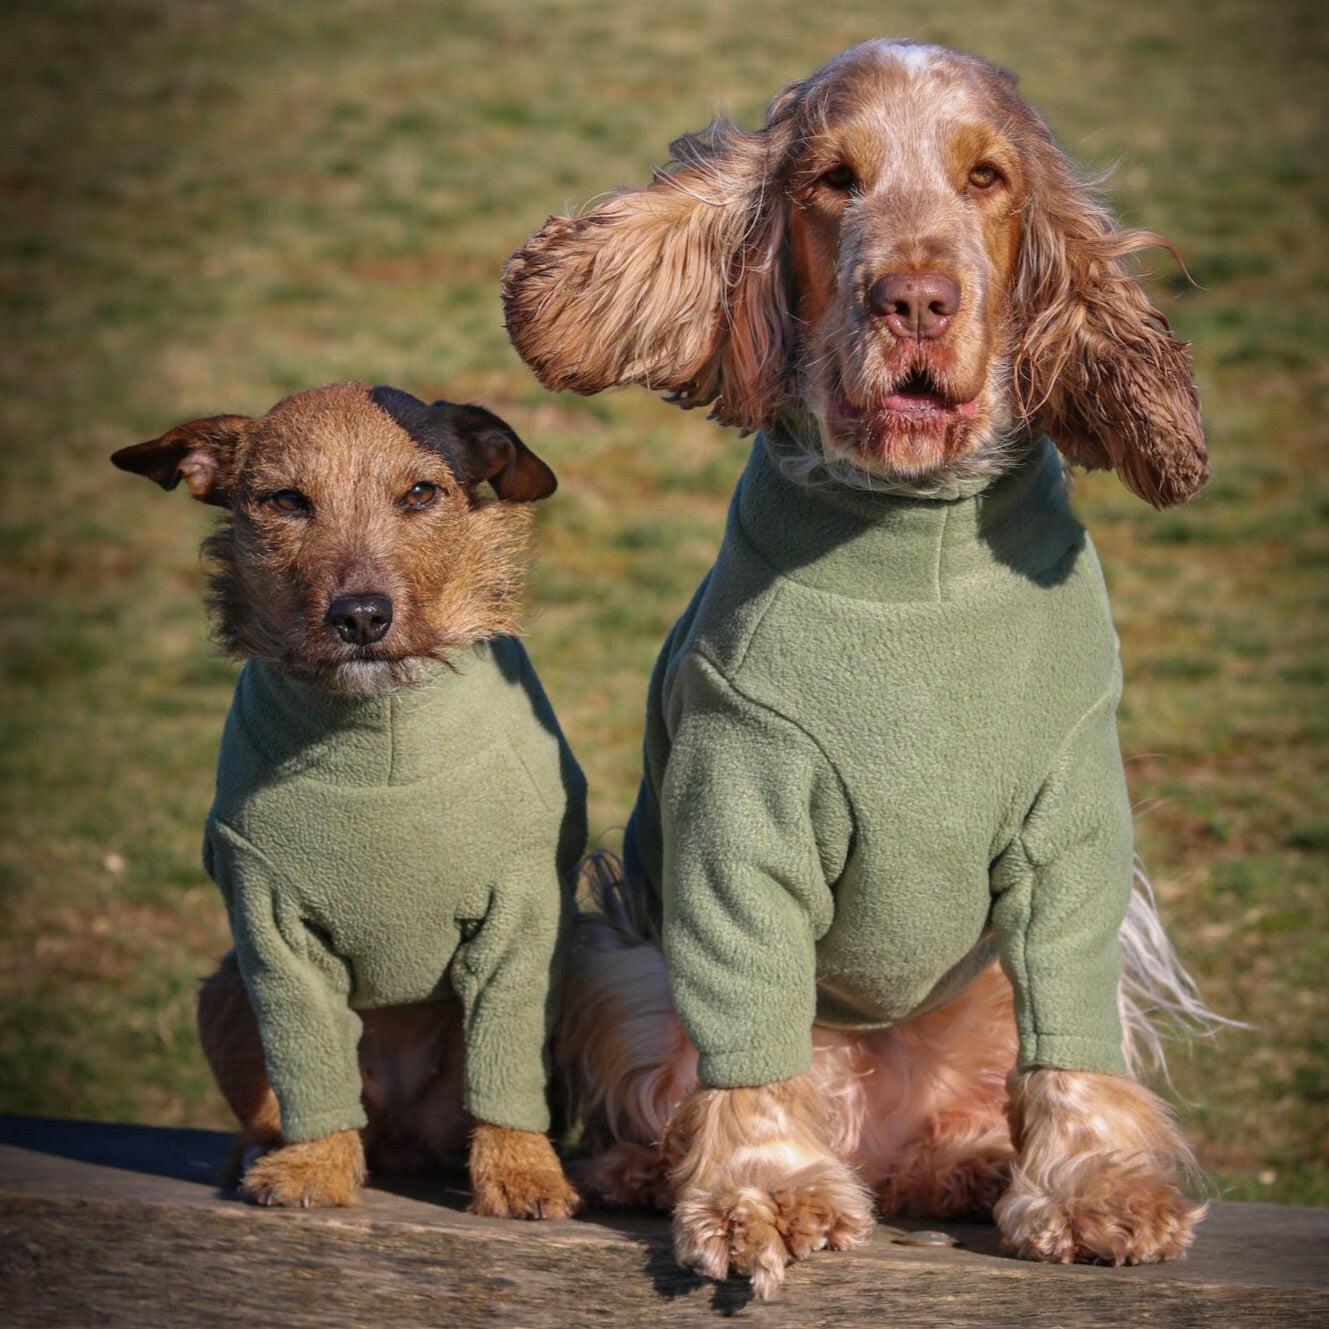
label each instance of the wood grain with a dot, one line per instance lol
(117, 1225)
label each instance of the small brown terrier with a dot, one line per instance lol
(359, 561)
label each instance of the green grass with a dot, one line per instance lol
(206, 206)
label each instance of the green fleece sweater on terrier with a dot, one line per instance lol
(410, 847)
(881, 751)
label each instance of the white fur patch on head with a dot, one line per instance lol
(916, 57)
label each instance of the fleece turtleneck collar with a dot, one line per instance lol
(396, 738)
(888, 547)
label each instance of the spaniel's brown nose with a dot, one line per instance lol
(918, 305)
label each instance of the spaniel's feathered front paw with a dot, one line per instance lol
(1111, 1209)
(755, 1232)
(1096, 1175)
(756, 1184)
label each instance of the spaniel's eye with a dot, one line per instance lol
(419, 496)
(840, 178)
(984, 176)
(291, 502)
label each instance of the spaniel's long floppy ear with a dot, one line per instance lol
(201, 453)
(678, 286)
(1097, 365)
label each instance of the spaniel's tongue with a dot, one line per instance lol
(914, 401)
(926, 403)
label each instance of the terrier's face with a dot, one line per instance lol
(357, 549)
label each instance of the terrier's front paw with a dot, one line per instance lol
(311, 1174)
(755, 1232)
(516, 1174)
(1109, 1211)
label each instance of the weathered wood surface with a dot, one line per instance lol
(123, 1225)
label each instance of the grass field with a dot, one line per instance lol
(207, 205)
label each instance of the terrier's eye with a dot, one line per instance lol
(984, 176)
(290, 501)
(419, 496)
(840, 178)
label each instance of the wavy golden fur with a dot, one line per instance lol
(902, 268)
(740, 278)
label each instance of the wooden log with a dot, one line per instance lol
(123, 1225)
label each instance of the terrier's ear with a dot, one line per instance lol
(488, 448)
(474, 442)
(201, 453)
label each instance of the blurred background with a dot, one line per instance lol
(208, 205)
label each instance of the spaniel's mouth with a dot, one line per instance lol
(917, 402)
(911, 429)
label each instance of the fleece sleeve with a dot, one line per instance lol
(1062, 891)
(506, 974)
(299, 991)
(754, 822)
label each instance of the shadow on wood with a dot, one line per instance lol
(124, 1225)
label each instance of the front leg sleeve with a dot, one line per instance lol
(300, 992)
(755, 824)
(507, 975)
(1062, 891)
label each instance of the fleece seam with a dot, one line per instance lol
(1020, 961)
(277, 870)
(394, 724)
(698, 653)
(756, 627)
(941, 546)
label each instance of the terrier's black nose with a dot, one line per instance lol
(360, 619)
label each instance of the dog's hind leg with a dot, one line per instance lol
(619, 1047)
(229, 1034)
(412, 1064)
(625, 1176)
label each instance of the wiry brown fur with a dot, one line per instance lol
(411, 1063)
(515, 1174)
(452, 571)
(473, 595)
(313, 1174)
(739, 279)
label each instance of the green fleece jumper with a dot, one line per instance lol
(394, 849)
(881, 751)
